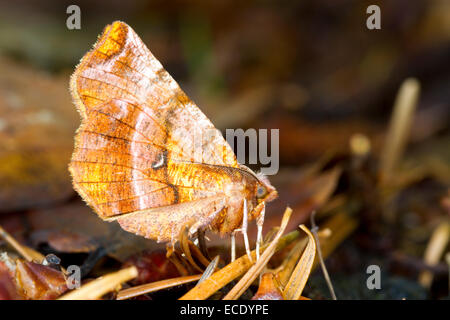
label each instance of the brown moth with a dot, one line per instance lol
(146, 156)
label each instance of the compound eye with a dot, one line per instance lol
(260, 192)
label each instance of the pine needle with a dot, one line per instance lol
(155, 286)
(314, 230)
(230, 272)
(100, 286)
(209, 270)
(341, 226)
(27, 253)
(399, 127)
(434, 251)
(256, 269)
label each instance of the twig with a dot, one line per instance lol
(314, 230)
(92, 260)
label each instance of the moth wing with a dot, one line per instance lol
(164, 224)
(120, 66)
(122, 164)
(143, 149)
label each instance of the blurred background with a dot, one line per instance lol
(309, 68)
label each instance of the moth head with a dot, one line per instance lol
(260, 186)
(264, 192)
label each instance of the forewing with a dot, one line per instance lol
(121, 164)
(145, 154)
(121, 67)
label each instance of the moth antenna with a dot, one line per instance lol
(259, 224)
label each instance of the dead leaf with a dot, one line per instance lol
(152, 266)
(77, 219)
(268, 289)
(39, 282)
(8, 290)
(300, 275)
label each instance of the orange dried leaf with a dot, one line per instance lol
(295, 253)
(38, 281)
(300, 275)
(8, 290)
(268, 289)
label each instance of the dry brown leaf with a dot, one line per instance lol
(38, 282)
(295, 253)
(268, 289)
(77, 219)
(8, 290)
(300, 275)
(152, 265)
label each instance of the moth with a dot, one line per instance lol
(147, 157)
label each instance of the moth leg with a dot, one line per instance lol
(201, 241)
(259, 224)
(244, 230)
(233, 246)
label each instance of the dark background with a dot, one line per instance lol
(309, 68)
